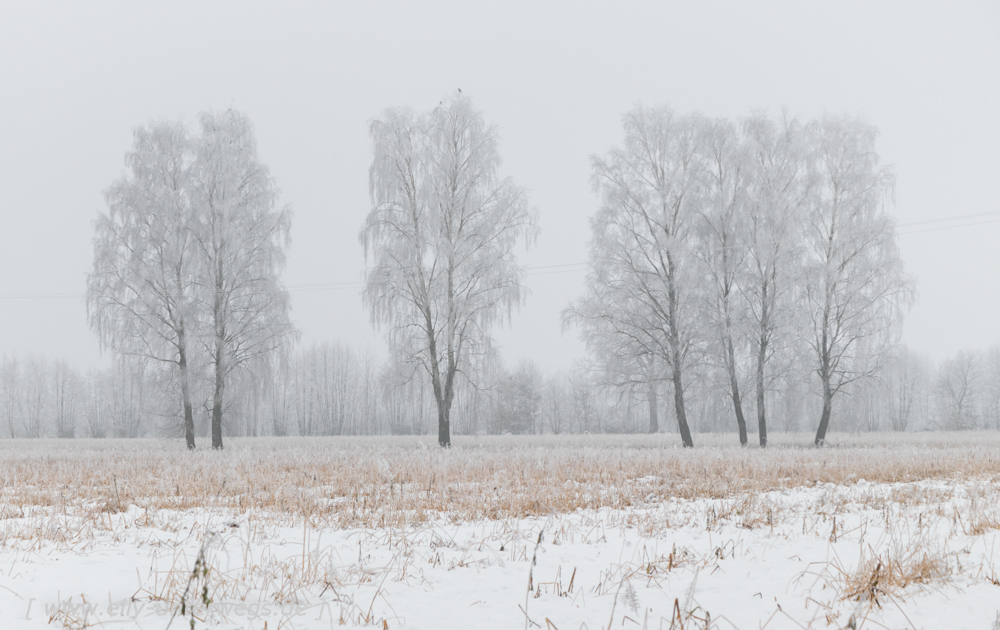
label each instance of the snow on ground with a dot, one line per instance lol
(864, 555)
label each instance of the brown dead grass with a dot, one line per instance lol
(378, 482)
(885, 574)
(62, 492)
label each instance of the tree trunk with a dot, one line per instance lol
(220, 384)
(761, 415)
(443, 395)
(220, 348)
(740, 419)
(654, 424)
(444, 425)
(734, 385)
(682, 422)
(675, 351)
(729, 354)
(186, 399)
(824, 377)
(824, 420)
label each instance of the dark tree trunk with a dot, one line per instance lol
(443, 395)
(220, 379)
(824, 377)
(182, 365)
(761, 414)
(189, 424)
(444, 426)
(682, 423)
(444, 406)
(740, 419)
(734, 386)
(654, 423)
(824, 420)
(220, 385)
(220, 351)
(186, 399)
(676, 355)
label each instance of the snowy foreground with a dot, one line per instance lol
(554, 532)
(863, 555)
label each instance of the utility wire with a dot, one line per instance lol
(903, 230)
(978, 215)
(321, 286)
(906, 232)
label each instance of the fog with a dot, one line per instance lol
(555, 80)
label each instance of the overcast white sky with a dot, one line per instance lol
(75, 78)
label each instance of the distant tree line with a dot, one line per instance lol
(331, 389)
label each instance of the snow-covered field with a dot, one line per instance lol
(554, 532)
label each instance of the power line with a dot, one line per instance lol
(938, 228)
(326, 286)
(542, 269)
(903, 230)
(41, 296)
(319, 286)
(977, 215)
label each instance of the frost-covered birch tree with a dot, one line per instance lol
(441, 236)
(644, 278)
(777, 191)
(855, 288)
(241, 234)
(140, 293)
(722, 249)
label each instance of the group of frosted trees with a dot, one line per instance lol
(187, 261)
(752, 249)
(739, 255)
(738, 269)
